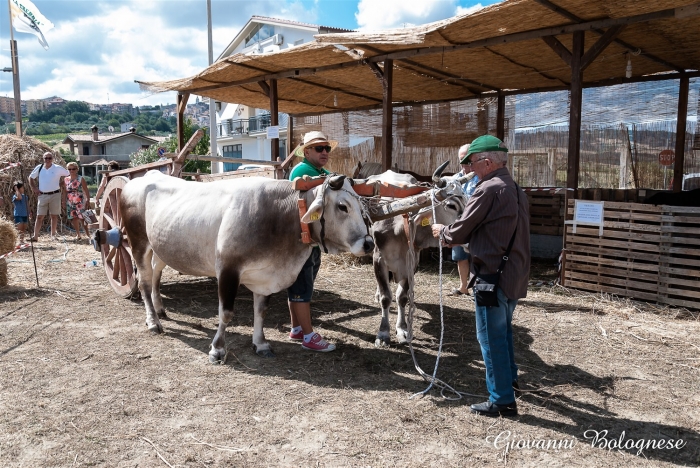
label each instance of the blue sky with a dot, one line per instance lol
(99, 47)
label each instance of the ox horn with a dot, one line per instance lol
(336, 182)
(438, 172)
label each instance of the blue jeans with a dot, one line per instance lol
(495, 334)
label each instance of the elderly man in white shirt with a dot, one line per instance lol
(45, 181)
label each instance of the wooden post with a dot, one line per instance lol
(181, 106)
(274, 121)
(501, 118)
(15, 86)
(680, 134)
(387, 115)
(575, 112)
(290, 133)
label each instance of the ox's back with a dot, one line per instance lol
(192, 225)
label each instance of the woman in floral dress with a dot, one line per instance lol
(78, 199)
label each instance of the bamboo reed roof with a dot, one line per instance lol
(498, 48)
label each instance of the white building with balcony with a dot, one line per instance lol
(242, 130)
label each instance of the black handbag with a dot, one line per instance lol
(485, 286)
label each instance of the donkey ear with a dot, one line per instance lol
(314, 212)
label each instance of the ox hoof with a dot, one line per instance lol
(402, 338)
(155, 329)
(162, 314)
(263, 352)
(217, 357)
(382, 342)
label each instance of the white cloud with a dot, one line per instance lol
(101, 51)
(389, 14)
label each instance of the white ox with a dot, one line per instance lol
(243, 231)
(391, 249)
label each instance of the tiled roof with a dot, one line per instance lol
(82, 138)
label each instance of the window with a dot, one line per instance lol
(259, 33)
(86, 150)
(232, 151)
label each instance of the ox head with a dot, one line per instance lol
(447, 211)
(344, 222)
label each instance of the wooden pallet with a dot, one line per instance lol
(546, 211)
(646, 252)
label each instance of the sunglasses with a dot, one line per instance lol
(48, 159)
(72, 169)
(319, 149)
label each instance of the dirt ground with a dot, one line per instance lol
(84, 384)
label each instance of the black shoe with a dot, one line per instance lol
(489, 408)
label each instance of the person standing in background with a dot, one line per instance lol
(45, 181)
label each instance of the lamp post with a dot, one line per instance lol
(212, 103)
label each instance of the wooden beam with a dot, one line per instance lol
(522, 65)
(559, 48)
(501, 117)
(274, 120)
(575, 111)
(681, 120)
(629, 47)
(179, 160)
(265, 88)
(181, 106)
(600, 45)
(377, 71)
(528, 35)
(438, 74)
(387, 115)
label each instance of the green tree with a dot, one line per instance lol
(150, 154)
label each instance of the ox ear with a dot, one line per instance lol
(424, 218)
(314, 212)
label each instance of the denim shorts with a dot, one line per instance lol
(303, 287)
(459, 253)
(21, 219)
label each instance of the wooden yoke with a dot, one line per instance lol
(179, 160)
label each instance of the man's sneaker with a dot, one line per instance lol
(489, 408)
(296, 336)
(316, 343)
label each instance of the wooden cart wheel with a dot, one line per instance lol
(118, 261)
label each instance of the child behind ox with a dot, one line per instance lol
(21, 213)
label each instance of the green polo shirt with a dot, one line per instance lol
(306, 168)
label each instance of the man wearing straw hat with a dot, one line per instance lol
(45, 181)
(496, 224)
(315, 151)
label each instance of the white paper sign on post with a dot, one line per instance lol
(273, 132)
(588, 213)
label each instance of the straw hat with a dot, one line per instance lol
(312, 139)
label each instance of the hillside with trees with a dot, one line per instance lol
(76, 117)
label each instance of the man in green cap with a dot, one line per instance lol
(497, 218)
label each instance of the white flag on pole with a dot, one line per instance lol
(27, 18)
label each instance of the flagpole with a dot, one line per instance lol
(212, 103)
(15, 76)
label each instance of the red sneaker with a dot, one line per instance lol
(317, 343)
(296, 336)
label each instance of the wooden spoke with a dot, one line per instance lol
(117, 261)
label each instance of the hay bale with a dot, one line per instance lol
(8, 241)
(8, 236)
(25, 150)
(3, 272)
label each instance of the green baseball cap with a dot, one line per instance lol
(483, 144)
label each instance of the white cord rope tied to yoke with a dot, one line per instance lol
(433, 380)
